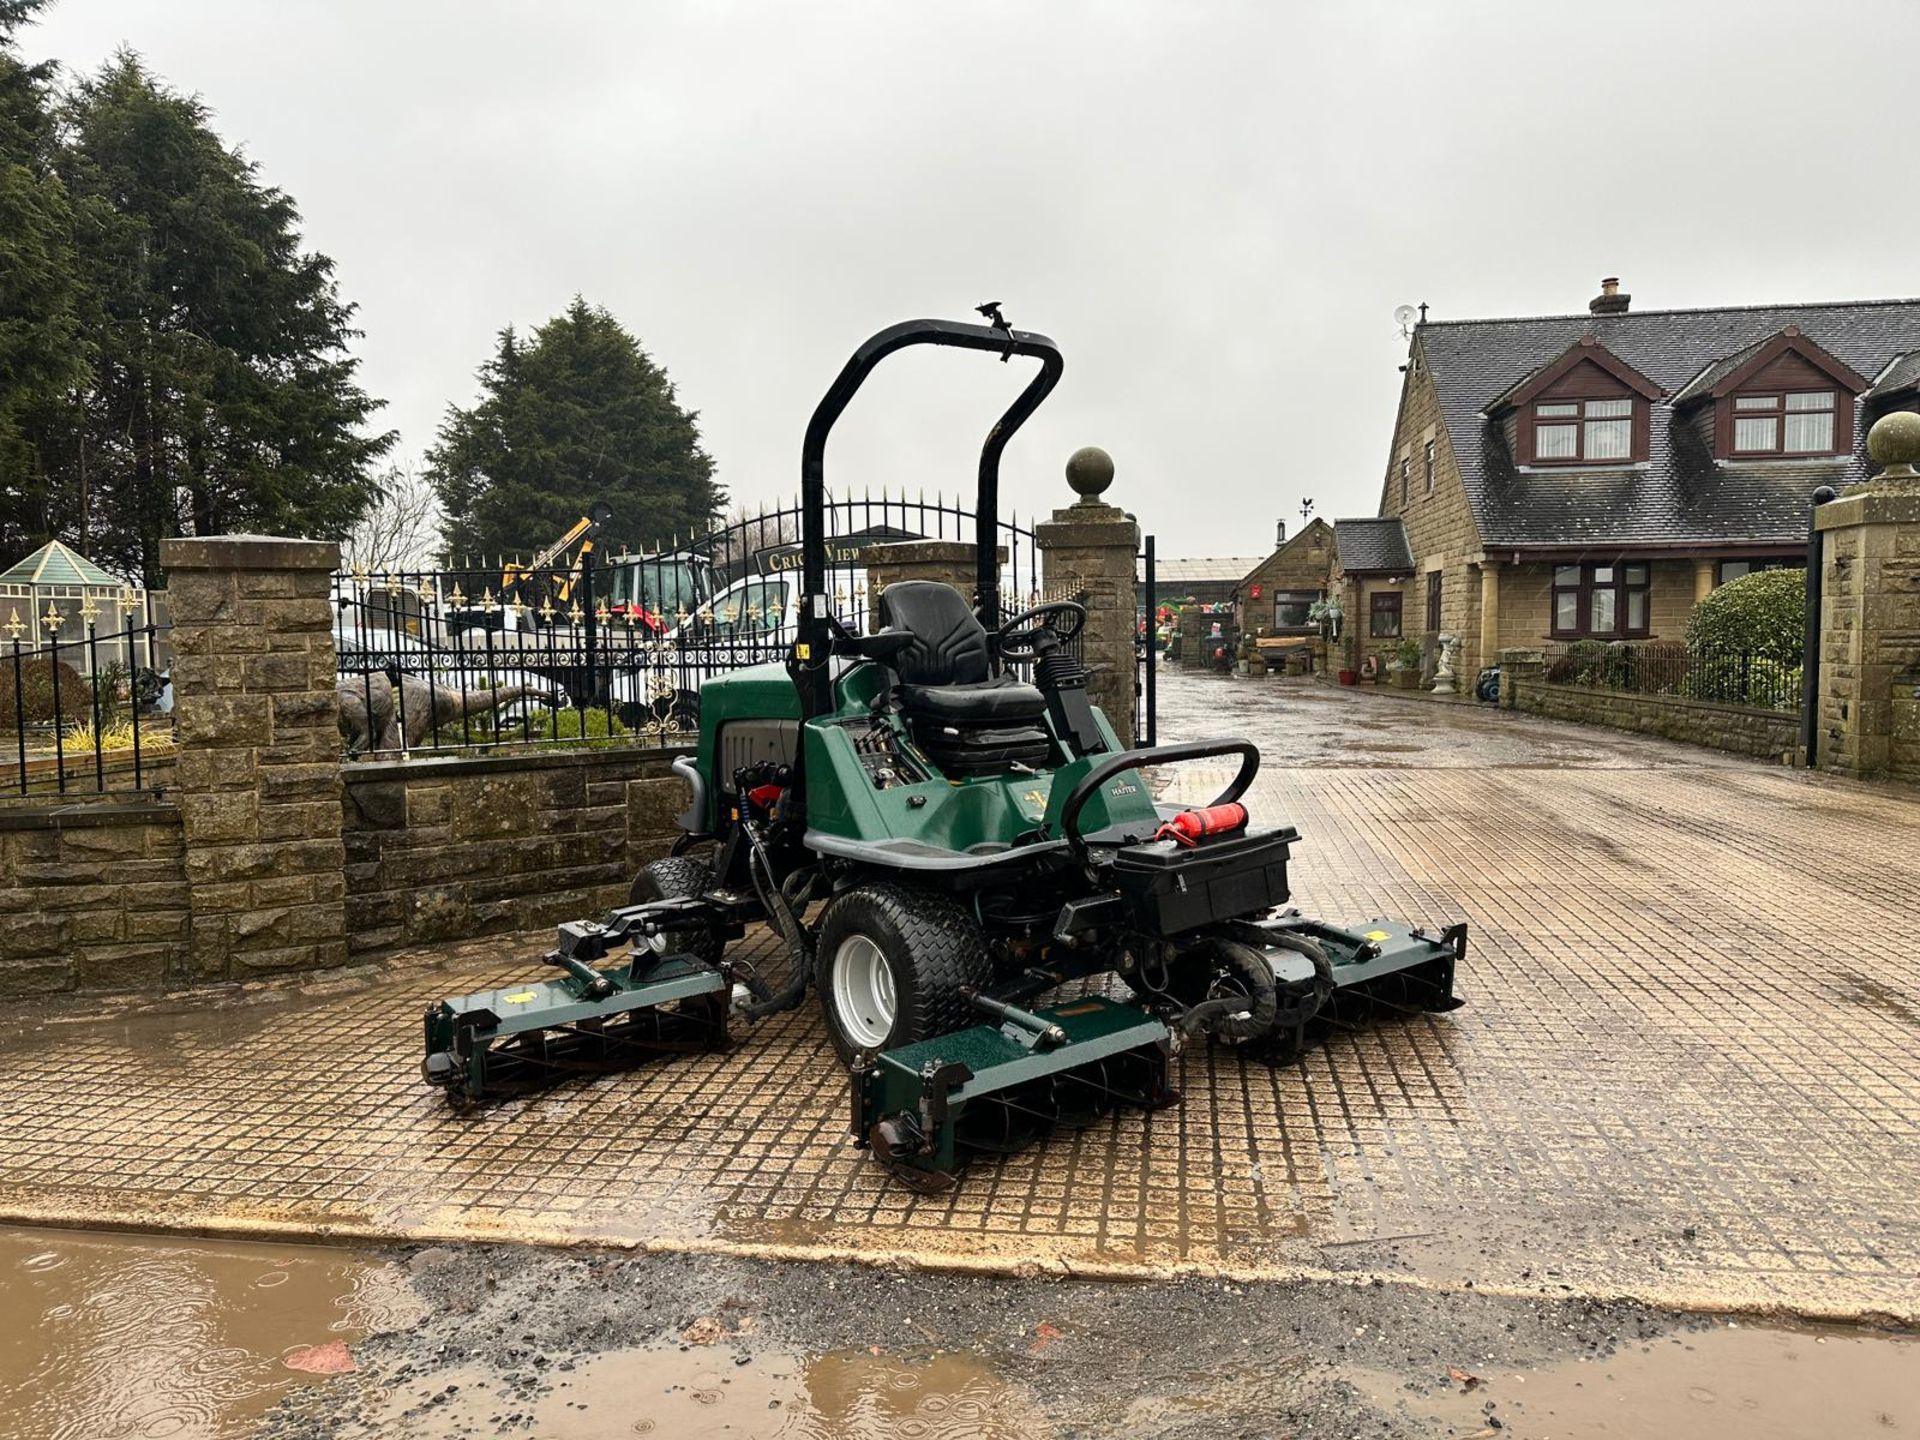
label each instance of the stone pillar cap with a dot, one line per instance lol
(248, 552)
(1894, 444)
(1089, 472)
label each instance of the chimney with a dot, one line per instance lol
(1610, 301)
(1279, 533)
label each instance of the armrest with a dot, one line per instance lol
(882, 645)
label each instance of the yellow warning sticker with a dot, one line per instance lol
(1378, 935)
(520, 997)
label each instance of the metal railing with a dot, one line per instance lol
(1697, 672)
(90, 715)
(615, 648)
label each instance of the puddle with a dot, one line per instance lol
(132, 1338)
(1733, 1382)
(705, 1393)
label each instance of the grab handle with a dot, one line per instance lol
(1159, 755)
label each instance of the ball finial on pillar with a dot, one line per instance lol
(1894, 443)
(1090, 472)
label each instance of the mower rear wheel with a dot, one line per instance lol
(675, 878)
(892, 966)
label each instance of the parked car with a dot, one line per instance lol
(752, 621)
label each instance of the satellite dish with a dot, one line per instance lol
(1403, 316)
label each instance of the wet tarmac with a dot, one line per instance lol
(600, 1347)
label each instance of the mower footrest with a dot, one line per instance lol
(521, 1038)
(924, 1106)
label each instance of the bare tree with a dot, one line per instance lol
(402, 528)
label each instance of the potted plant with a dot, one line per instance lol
(1406, 665)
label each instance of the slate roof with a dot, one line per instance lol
(1902, 374)
(1373, 547)
(1680, 495)
(55, 564)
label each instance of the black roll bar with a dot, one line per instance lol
(1159, 755)
(814, 640)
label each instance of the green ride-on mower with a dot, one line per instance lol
(938, 845)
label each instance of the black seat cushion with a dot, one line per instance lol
(997, 702)
(949, 642)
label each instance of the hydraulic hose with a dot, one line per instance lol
(1323, 981)
(780, 909)
(1235, 1018)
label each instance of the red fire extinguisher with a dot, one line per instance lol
(1190, 827)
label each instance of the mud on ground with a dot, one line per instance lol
(586, 1345)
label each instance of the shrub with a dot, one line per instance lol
(570, 724)
(1764, 613)
(35, 693)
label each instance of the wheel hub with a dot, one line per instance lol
(863, 998)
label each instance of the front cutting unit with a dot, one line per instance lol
(954, 858)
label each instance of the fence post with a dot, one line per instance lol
(1869, 682)
(258, 773)
(1092, 547)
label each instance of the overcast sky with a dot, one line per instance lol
(1213, 208)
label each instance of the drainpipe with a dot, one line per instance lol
(1810, 657)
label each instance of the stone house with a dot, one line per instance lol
(1274, 596)
(1594, 476)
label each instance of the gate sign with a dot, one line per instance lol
(843, 551)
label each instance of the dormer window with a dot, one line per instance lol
(1587, 430)
(1799, 422)
(1782, 397)
(1588, 407)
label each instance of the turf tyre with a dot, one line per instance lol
(675, 878)
(933, 950)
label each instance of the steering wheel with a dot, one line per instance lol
(1023, 637)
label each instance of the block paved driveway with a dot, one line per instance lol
(1688, 1071)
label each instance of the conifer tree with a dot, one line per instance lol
(577, 413)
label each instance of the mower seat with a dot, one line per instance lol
(990, 702)
(968, 720)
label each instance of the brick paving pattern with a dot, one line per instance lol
(1689, 1070)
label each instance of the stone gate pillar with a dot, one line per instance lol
(259, 752)
(951, 562)
(1868, 716)
(1090, 548)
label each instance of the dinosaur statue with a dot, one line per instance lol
(422, 708)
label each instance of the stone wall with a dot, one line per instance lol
(446, 849)
(1763, 734)
(92, 897)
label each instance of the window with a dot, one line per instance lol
(1290, 609)
(1583, 430)
(1406, 481)
(1383, 615)
(1430, 450)
(1433, 600)
(1601, 601)
(1734, 569)
(1796, 423)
